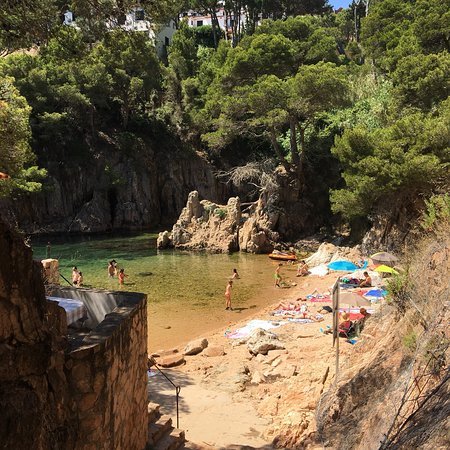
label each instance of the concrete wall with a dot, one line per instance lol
(98, 302)
(109, 379)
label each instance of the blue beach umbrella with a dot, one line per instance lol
(344, 266)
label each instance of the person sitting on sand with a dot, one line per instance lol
(345, 325)
(228, 295)
(359, 324)
(302, 269)
(235, 275)
(304, 308)
(367, 282)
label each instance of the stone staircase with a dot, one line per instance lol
(161, 434)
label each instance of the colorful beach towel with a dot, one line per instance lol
(318, 298)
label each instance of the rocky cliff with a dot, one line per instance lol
(35, 400)
(115, 187)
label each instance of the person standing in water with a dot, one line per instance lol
(235, 275)
(228, 295)
(122, 276)
(111, 269)
(75, 275)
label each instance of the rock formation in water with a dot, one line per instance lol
(204, 225)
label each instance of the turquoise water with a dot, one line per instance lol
(185, 290)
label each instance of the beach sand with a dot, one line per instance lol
(245, 400)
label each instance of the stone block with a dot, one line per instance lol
(171, 361)
(195, 347)
(216, 350)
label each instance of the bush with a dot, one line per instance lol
(410, 341)
(220, 213)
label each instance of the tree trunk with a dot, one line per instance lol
(293, 142)
(302, 156)
(215, 26)
(276, 147)
(125, 112)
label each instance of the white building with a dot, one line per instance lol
(196, 19)
(135, 20)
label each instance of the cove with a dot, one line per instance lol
(185, 290)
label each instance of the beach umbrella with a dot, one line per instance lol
(384, 257)
(345, 266)
(386, 269)
(353, 299)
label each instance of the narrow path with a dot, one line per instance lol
(208, 416)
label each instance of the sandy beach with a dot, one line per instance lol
(241, 399)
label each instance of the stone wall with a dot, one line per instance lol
(109, 379)
(93, 397)
(37, 411)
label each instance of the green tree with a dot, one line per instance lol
(24, 23)
(131, 67)
(395, 163)
(16, 157)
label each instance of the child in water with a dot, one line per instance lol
(228, 295)
(122, 276)
(235, 275)
(75, 275)
(111, 269)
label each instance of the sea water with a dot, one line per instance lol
(185, 290)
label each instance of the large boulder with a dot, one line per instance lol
(164, 240)
(204, 225)
(261, 341)
(256, 235)
(195, 347)
(328, 252)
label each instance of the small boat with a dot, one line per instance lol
(280, 256)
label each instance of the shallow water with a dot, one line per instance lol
(185, 290)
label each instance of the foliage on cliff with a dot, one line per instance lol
(16, 157)
(407, 154)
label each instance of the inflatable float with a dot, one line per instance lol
(280, 256)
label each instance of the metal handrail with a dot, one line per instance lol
(62, 276)
(151, 362)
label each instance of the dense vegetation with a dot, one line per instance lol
(308, 89)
